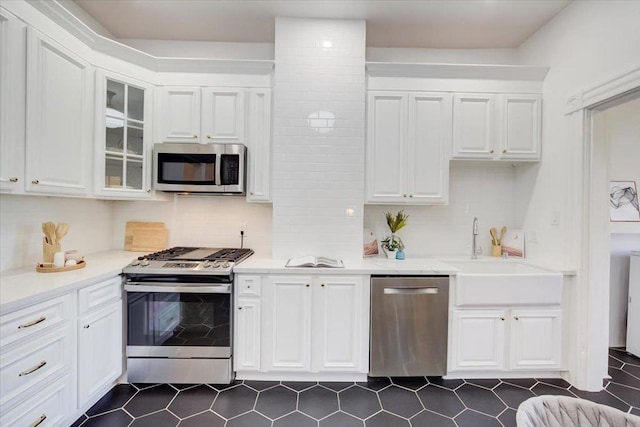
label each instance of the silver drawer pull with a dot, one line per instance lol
(39, 420)
(410, 291)
(32, 370)
(35, 322)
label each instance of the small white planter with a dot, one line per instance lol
(390, 254)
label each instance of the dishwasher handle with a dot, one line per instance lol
(432, 290)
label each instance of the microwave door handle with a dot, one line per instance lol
(218, 177)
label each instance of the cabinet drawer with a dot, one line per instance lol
(24, 323)
(49, 407)
(30, 364)
(249, 285)
(100, 294)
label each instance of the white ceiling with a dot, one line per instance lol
(391, 23)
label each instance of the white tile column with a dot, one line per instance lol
(318, 138)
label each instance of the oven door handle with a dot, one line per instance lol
(156, 287)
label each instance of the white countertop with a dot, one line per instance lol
(377, 265)
(26, 286)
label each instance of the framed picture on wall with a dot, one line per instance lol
(623, 201)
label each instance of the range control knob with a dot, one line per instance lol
(140, 258)
(225, 264)
(135, 262)
(206, 264)
(144, 262)
(216, 264)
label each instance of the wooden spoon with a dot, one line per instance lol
(494, 236)
(61, 230)
(49, 230)
(503, 231)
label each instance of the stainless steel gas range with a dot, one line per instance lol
(179, 315)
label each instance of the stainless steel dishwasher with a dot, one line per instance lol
(409, 325)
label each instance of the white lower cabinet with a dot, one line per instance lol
(478, 339)
(60, 355)
(301, 324)
(247, 335)
(99, 350)
(337, 338)
(505, 339)
(287, 323)
(535, 339)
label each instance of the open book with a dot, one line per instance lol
(312, 261)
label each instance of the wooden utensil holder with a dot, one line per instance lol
(496, 251)
(48, 250)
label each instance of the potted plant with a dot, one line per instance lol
(392, 244)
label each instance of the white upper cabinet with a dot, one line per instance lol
(408, 135)
(386, 139)
(12, 102)
(428, 147)
(123, 143)
(258, 144)
(203, 115)
(59, 118)
(473, 126)
(519, 126)
(497, 127)
(222, 115)
(178, 114)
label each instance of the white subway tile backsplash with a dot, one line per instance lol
(318, 161)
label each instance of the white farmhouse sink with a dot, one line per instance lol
(498, 283)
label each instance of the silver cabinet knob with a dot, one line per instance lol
(39, 421)
(491, 151)
(194, 136)
(35, 181)
(14, 179)
(86, 326)
(504, 151)
(208, 136)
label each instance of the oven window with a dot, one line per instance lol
(178, 319)
(195, 169)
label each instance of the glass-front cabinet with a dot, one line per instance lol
(123, 153)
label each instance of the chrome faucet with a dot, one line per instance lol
(474, 246)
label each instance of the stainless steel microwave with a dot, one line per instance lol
(199, 168)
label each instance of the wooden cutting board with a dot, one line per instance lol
(145, 236)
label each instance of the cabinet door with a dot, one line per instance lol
(247, 335)
(385, 159)
(477, 340)
(59, 111)
(535, 341)
(12, 107)
(287, 323)
(519, 126)
(259, 146)
(222, 115)
(428, 145)
(123, 137)
(179, 114)
(473, 126)
(337, 327)
(100, 350)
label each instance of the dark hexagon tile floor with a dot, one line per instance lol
(378, 402)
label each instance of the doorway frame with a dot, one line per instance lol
(588, 367)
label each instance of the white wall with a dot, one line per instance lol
(483, 190)
(21, 219)
(208, 221)
(318, 166)
(622, 136)
(585, 44)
